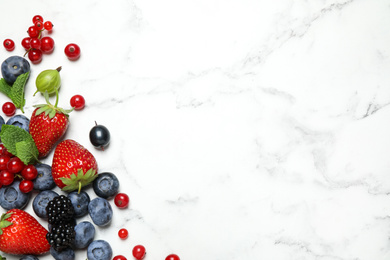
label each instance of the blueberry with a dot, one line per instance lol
(41, 200)
(2, 122)
(29, 257)
(85, 233)
(99, 250)
(13, 67)
(99, 136)
(44, 180)
(19, 120)
(80, 202)
(67, 254)
(12, 198)
(100, 211)
(106, 185)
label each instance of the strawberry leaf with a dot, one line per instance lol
(19, 142)
(79, 180)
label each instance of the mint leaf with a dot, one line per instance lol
(4, 87)
(19, 142)
(17, 91)
(27, 152)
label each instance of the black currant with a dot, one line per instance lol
(99, 136)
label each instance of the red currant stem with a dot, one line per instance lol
(27, 52)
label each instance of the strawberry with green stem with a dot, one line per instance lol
(22, 234)
(73, 166)
(48, 124)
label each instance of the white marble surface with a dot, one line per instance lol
(241, 129)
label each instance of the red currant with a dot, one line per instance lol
(119, 257)
(33, 31)
(6, 178)
(29, 172)
(123, 233)
(72, 51)
(121, 200)
(2, 149)
(9, 44)
(35, 43)
(78, 102)
(4, 159)
(39, 25)
(15, 165)
(48, 25)
(26, 43)
(47, 45)
(26, 186)
(9, 108)
(172, 257)
(139, 252)
(37, 18)
(35, 56)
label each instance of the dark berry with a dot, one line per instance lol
(61, 236)
(60, 210)
(99, 136)
(106, 185)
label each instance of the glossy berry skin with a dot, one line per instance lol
(4, 159)
(99, 136)
(26, 186)
(172, 257)
(77, 102)
(39, 25)
(14, 66)
(33, 31)
(9, 108)
(29, 172)
(6, 178)
(47, 45)
(26, 43)
(121, 200)
(40, 202)
(72, 51)
(37, 18)
(35, 43)
(139, 252)
(29, 257)
(85, 234)
(9, 44)
(47, 131)
(106, 185)
(123, 233)
(119, 257)
(35, 56)
(44, 180)
(48, 25)
(99, 250)
(15, 165)
(12, 198)
(67, 254)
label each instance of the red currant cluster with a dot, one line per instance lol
(11, 167)
(37, 44)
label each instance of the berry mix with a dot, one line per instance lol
(25, 141)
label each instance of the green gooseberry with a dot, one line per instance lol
(48, 81)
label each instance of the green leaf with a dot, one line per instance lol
(27, 152)
(20, 143)
(4, 87)
(17, 90)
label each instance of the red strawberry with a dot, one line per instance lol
(48, 124)
(22, 234)
(73, 166)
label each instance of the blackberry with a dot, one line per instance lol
(60, 210)
(61, 236)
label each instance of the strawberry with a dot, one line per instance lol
(73, 166)
(48, 123)
(22, 234)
